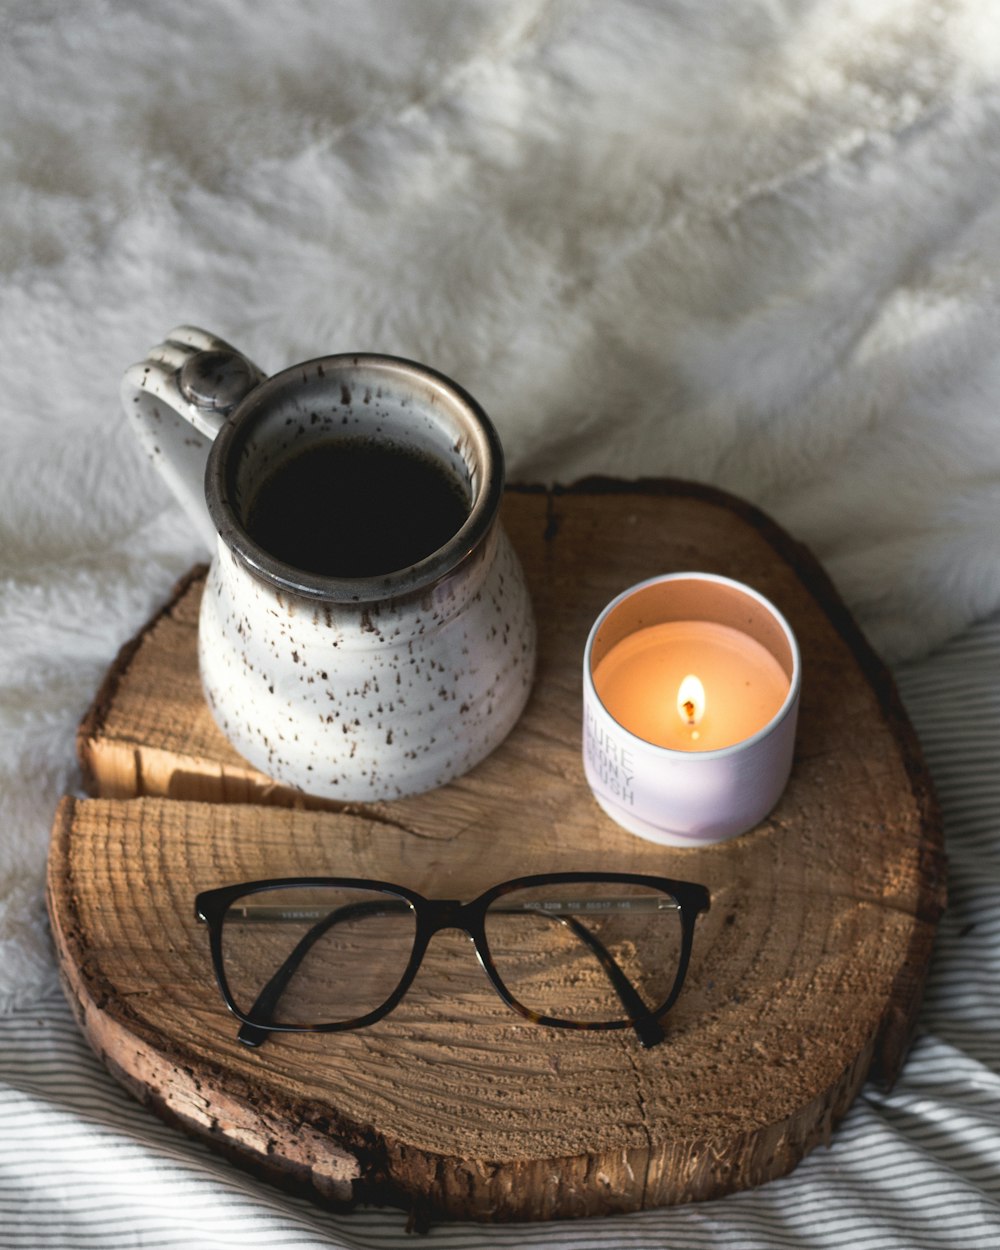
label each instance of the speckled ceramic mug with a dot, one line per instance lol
(360, 687)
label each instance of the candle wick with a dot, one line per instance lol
(689, 710)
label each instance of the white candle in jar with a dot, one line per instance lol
(691, 686)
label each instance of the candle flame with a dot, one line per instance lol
(691, 700)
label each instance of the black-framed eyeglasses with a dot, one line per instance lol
(572, 950)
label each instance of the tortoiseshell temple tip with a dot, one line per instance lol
(252, 1035)
(649, 1032)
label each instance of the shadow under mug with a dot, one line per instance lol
(356, 687)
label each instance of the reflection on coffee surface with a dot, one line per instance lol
(356, 508)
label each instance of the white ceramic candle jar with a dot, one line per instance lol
(335, 655)
(691, 693)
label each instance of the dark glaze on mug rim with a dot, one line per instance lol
(400, 583)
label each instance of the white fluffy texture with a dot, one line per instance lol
(753, 243)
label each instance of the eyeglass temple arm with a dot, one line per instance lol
(647, 1028)
(267, 999)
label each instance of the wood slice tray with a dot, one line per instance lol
(807, 972)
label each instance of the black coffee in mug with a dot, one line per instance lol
(356, 508)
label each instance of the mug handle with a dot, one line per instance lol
(177, 400)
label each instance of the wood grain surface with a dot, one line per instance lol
(807, 972)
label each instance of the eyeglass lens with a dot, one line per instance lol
(308, 955)
(575, 951)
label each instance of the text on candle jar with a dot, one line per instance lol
(610, 760)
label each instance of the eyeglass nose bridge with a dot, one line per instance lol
(444, 913)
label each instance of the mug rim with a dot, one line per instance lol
(483, 437)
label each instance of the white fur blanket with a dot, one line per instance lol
(755, 243)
